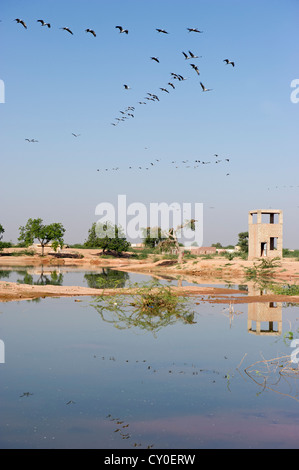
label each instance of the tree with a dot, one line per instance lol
(107, 236)
(92, 239)
(243, 242)
(172, 237)
(152, 236)
(34, 229)
(217, 245)
(1, 235)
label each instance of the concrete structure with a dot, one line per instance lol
(264, 318)
(265, 233)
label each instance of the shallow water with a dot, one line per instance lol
(75, 379)
(67, 276)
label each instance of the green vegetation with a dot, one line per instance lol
(208, 256)
(107, 279)
(23, 253)
(264, 268)
(108, 237)
(285, 289)
(243, 242)
(152, 236)
(34, 229)
(167, 241)
(286, 253)
(219, 245)
(55, 279)
(150, 306)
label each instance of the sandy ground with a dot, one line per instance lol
(213, 271)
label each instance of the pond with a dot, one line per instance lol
(80, 373)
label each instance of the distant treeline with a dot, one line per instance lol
(286, 253)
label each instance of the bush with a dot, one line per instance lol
(5, 245)
(286, 253)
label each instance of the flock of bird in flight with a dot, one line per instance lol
(129, 111)
(125, 114)
(186, 163)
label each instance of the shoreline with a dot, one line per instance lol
(217, 270)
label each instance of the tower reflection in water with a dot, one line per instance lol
(264, 318)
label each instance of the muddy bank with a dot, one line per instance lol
(10, 291)
(14, 291)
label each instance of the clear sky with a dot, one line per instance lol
(57, 84)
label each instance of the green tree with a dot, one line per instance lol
(92, 239)
(152, 236)
(171, 237)
(243, 242)
(107, 236)
(34, 229)
(217, 245)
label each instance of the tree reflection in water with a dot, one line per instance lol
(53, 278)
(149, 306)
(108, 278)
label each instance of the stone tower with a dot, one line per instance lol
(265, 233)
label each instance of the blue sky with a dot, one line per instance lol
(57, 84)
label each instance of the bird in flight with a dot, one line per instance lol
(229, 62)
(193, 56)
(204, 88)
(185, 55)
(171, 84)
(195, 68)
(177, 76)
(90, 31)
(153, 97)
(21, 22)
(155, 58)
(194, 30)
(67, 29)
(161, 31)
(127, 87)
(75, 135)
(31, 140)
(164, 89)
(43, 23)
(121, 30)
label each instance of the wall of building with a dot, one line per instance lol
(264, 233)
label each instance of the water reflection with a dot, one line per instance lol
(149, 307)
(44, 278)
(107, 278)
(45, 275)
(79, 377)
(264, 318)
(279, 375)
(4, 274)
